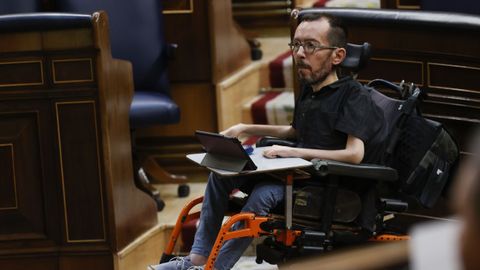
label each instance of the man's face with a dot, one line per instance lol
(313, 68)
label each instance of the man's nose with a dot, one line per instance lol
(300, 53)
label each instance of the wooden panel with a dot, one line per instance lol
(408, 4)
(22, 208)
(28, 262)
(147, 251)
(257, 13)
(72, 70)
(446, 76)
(86, 261)
(192, 57)
(400, 4)
(21, 73)
(20, 42)
(8, 184)
(77, 39)
(213, 47)
(234, 92)
(400, 39)
(230, 50)
(394, 70)
(178, 7)
(80, 171)
(128, 219)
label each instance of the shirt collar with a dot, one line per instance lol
(336, 84)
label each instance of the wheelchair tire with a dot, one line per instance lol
(183, 190)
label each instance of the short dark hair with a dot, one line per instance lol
(337, 35)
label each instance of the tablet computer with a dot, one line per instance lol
(223, 152)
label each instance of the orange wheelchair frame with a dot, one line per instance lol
(254, 226)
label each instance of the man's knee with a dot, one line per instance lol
(264, 197)
(224, 184)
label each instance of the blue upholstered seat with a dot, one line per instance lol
(149, 108)
(136, 30)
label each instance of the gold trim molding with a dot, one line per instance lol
(10, 145)
(72, 60)
(400, 61)
(63, 177)
(181, 11)
(430, 85)
(24, 62)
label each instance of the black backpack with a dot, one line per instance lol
(424, 156)
(421, 150)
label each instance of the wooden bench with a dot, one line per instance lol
(67, 196)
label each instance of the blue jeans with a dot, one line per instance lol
(266, 194)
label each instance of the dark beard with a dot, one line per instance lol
(312, 82)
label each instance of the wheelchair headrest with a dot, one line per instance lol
(357, 56)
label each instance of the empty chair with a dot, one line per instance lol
(136, 29)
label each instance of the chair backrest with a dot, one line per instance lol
(136, 33)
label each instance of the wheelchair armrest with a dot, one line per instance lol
(369, 171)
(269, 141)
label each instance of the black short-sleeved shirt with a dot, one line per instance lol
(324, 119)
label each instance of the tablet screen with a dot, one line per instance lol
(219, 144)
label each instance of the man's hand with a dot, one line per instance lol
(279, 151)
(234, 131)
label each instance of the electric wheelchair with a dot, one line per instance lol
(404, 177)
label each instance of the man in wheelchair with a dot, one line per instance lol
(335, 119)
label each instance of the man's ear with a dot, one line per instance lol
(338, 55)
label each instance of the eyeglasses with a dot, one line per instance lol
(308, 46)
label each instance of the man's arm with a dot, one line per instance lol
(283, 132)
(353, 152)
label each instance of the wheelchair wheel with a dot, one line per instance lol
(183, 190)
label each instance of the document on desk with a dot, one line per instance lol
(263, 164)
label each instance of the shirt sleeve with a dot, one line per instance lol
(359, 117)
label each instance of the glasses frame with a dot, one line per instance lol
(292, 46)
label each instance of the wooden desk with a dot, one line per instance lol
(67, 196)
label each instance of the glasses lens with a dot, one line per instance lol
(294, 46)
(308, 47)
